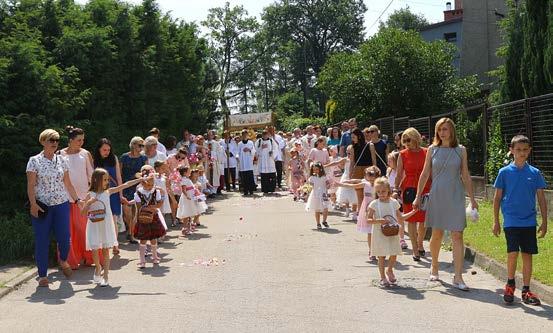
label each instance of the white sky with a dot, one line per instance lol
(197, 10)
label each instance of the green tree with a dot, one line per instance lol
(532, 64)
(311, 32)
(405, 19)
(396, 73)
(229, 30)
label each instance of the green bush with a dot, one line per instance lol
(288, 123)
(496, 148)
(16, 237)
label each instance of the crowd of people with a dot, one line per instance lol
(86, 198)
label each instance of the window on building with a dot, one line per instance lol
(450, 37)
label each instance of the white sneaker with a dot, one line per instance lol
(104, 283)
(348, 211)
(354, 216)
(96, 278)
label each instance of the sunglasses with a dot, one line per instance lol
(407, 140)
(53, 140)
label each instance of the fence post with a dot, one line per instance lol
(528, 119)
(485, 130)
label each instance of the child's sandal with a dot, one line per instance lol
(319, 226)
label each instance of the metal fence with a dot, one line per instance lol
(532, 117)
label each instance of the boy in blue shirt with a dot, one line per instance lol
(516, 187)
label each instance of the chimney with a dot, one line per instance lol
(458, 4)
(450, 14)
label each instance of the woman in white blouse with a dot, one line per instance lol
(49, 190)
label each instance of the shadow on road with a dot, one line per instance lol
(331, 231)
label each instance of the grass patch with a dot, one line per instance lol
(479, 237)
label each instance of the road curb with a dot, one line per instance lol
(14, 283)
(499, 270)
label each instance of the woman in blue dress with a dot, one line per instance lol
(106, 159)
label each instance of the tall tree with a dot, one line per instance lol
(532, 66)
(316, 29)
(405, 19)
(230, 28)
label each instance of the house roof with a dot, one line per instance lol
(439, 24)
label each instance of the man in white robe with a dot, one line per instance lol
(231, 152)
(279, 155)
(246, 153)
(215, 167)
(266, 149)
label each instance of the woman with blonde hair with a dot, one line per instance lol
(49, 190)
(446, 162)
(410, 164)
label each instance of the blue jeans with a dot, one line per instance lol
(57, 220)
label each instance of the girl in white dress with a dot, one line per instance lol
(384, 210)
(187, 206)
(318, 200)
(345, 195)
(335, 171)
(100, 233)
(391, 173)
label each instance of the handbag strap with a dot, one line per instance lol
(362, 151)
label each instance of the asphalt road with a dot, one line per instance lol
(259, 265)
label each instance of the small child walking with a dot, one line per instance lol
(150, 226)
(318, 201)
(346, 195)
(335, 171)
(100, 234)
(188, 209)
(199, 197)
(296, 166)
(367, 184)
(516, 188)
(385, 210)
(162, 182)
(391, 173)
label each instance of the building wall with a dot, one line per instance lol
(481, 38)
(438, 33)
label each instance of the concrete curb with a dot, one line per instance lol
(499, 270)
(14, 283)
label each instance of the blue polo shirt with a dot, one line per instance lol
(346, 139)
(518, 203)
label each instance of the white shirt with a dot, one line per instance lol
(308, 142)
(266, 151)
(159, 156)
(246, 152)
(161, 148)
(80, 171)
(50, 188)
(232, 153)
(281, 145)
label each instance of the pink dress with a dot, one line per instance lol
(297, 174)
(362, 225)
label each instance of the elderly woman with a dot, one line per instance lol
(49, 190)
(409, 168)
(130, 164)
(447, 162)
(79, 162)
(151, 152)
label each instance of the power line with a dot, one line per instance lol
(384, 11)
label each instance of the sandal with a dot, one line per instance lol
(434, 278)
(422, 253)
(115, 251)
(67, 271)
(384, 283)
(43, 282)
(417, 258)
(391, 278)
(141, 265)
(319, 226)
